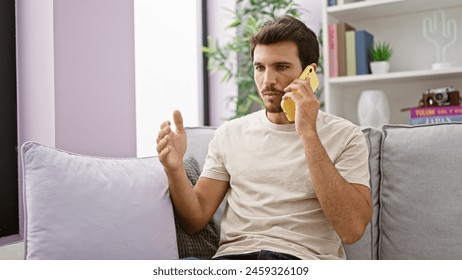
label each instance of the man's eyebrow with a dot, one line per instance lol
(256, 63)
(283, 63)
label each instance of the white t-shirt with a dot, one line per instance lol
(271, 203)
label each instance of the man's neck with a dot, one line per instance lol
(277, 118)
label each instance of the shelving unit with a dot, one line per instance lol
(400, 23)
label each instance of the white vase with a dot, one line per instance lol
(373, 108)
(380, 67)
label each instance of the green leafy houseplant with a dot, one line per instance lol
(381, 51)
(233, 58)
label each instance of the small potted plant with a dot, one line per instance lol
(380, 55)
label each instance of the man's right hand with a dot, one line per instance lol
(171, 146)
(195, 206)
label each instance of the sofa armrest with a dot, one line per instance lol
(367, 247)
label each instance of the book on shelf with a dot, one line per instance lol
(335, 2)
(341, 2)
(350, 45)
(332, 45)
(331, 2)
(419, 112)
(436, 119)
(364, 43)
(337, 48)
(439, 114)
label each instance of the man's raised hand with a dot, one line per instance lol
(172, 145)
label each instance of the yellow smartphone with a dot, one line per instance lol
(288, 105)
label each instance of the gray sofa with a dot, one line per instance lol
(415, 181)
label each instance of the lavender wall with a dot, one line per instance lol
(76, 85)
(95, 77)
(35, 85)
(76, 77)
(35, 71)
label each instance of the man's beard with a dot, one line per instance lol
(272, 106)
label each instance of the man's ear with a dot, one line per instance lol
(315, 66)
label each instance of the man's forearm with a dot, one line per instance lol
(185, 200)
(346, 207)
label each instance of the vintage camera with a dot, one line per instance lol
(446, 96)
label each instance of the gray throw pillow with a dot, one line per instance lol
(204, 243)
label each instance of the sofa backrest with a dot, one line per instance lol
(198, 140)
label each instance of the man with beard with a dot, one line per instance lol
(296, 190)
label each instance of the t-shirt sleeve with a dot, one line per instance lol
(353, 163)
(214, 166)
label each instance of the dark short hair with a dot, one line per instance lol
(287, 28)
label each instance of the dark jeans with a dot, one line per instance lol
(260, 255)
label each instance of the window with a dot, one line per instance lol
(168, 66)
